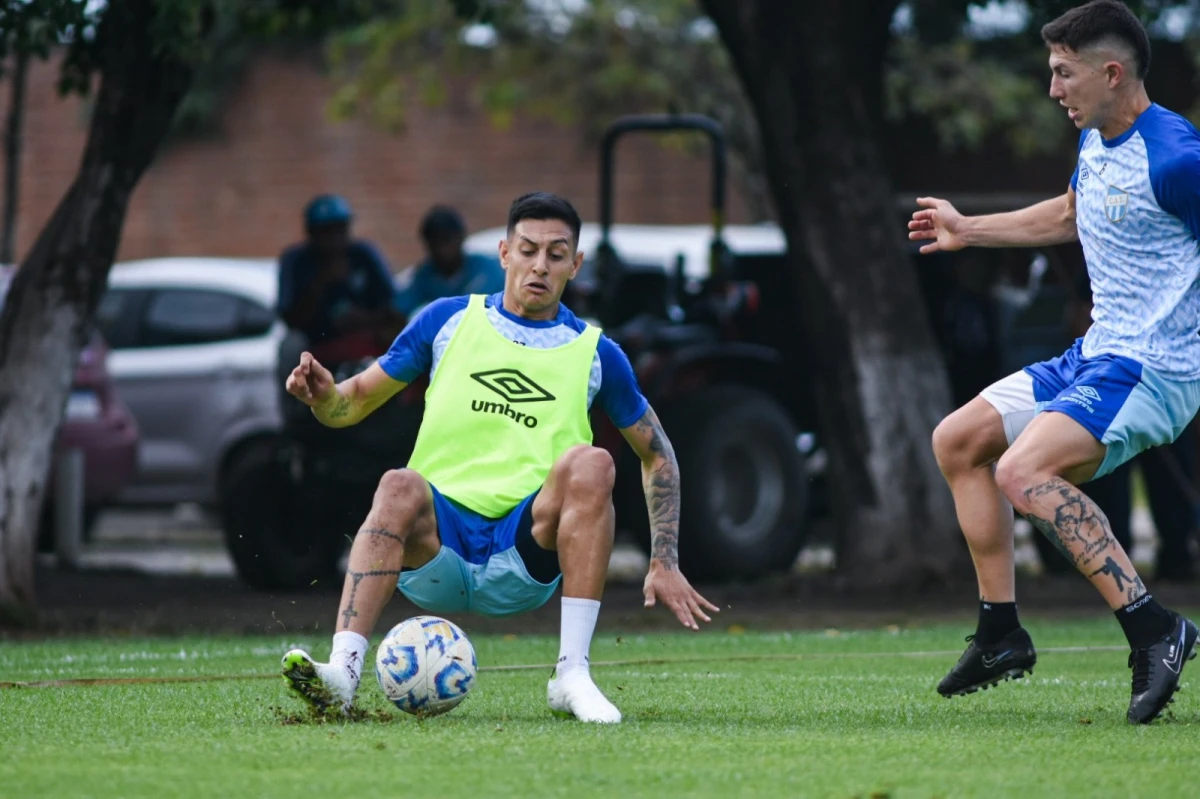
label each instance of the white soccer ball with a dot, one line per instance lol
(425, 665)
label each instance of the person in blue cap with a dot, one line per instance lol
(332, 285)
(447, 271)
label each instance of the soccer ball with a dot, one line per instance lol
(425, 665)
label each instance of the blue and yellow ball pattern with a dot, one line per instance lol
(425, 665)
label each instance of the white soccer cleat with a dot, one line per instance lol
(326, 687)
(574, 694)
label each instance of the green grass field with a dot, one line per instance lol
(720, 713)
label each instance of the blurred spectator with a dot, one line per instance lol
(448, 271)
(962, 315)
(1168, 472)
(332, 287)
(969, 319)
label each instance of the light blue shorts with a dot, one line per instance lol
(1128, 407)
(479, 568)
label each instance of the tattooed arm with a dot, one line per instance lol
(341, 404)
(660, 479)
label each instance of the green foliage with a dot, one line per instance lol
(219, 36)
(603, 59)
(967, 97)
(609, 56)
(971, 88)
(33, 27)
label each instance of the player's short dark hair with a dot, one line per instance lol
(1096, 21)
(544, 205)
(442, 220)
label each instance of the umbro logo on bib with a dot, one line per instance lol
(512, 385)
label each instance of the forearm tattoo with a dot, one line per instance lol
(339, 409)
(661, 484)
(1080, 531)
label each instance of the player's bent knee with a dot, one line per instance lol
(402, 489)
(969, 438)
(1014, 476)
(589, 470)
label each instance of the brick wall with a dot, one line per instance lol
(241, 193)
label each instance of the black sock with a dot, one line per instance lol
(996, 620)
(1144, 621)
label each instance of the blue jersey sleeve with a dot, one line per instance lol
(1178, 189)
(411, 354)
(1173, 150)
(619, 396)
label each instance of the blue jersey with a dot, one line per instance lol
(419, 348)
(1138, 215)
(479, 274)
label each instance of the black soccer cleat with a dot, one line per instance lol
(984, 666)
(1156, 671)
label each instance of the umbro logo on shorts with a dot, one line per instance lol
(1088, 392)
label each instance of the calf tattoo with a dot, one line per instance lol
(350, 613)
(661, 484)
(1113, 569)
(1080, 531)
(1078, 528)
(381, 533)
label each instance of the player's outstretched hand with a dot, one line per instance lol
(669, 585)
(310, 382)
(938, 222)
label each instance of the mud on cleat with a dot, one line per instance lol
(327, 688)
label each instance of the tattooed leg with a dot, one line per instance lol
(1079, 530)
(398, 527)
(573, 513)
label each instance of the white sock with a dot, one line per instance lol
(348, 650)
(575, 639)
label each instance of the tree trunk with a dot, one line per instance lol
(814, 80)
(57, 287)
(12, 155)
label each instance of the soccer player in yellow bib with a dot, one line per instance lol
(504, 497)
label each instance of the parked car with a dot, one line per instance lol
(194, 344)
(95, 421)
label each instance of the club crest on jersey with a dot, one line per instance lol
(1115, 204)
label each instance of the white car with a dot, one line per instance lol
(194, 345)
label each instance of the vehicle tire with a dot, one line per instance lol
(743, 481)
(277, 536)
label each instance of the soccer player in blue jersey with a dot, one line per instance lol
(1132, 382)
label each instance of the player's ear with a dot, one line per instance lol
(504, 253)
(578, 263)
(1114, 73)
